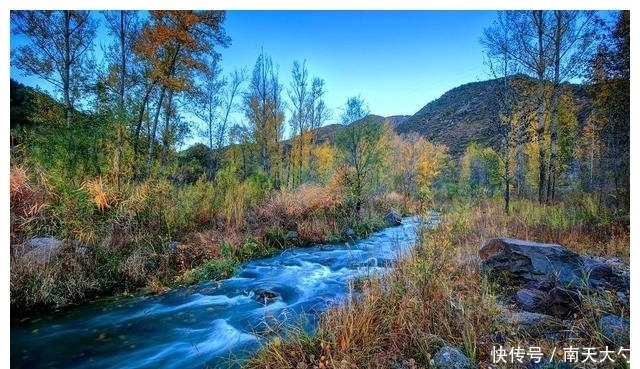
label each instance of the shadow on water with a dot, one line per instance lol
(212, 324)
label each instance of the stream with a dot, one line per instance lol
(212, 324)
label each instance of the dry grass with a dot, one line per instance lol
(102, 196)
(312, 211)
(438, 295)
(27, 201)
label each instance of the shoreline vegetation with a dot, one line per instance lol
(150, 237)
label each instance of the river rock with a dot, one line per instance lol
(532, 261)
(562, 303)
(43, 249)
(451, 358)
(349, 234)
(534, 324)
(265, 296)
(291, 236)
(532, 300)
(392, 219)
(602, 275)
(616, 329)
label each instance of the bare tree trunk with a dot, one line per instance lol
(167, 129)
(121, 108)
(136, 137)
(152, 134)
(66, 87)
(553, 146)
(557, 42)
(538, 16)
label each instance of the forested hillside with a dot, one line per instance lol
(466, 114)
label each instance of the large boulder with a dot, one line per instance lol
(533, 261)
(602, 275)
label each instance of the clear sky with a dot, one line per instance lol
(396, 60)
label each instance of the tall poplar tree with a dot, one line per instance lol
(264, 108)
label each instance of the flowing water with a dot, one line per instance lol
(212, 324)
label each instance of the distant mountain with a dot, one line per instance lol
(464, 114)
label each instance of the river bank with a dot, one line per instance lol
(162, 237)
(440, 298)
(215, 323)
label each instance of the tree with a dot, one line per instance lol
(415, 164)
(300, 117)
(206, 108)
(124, 27)
(58, 51)
(358, 140)
(264, 109)
(610, 88)
(174, 45)
(214, 105)
(319, 113)
(551, 46)
(532, 52)
(567, 135)
(572, 34)
(480, 171)
(308, 113)
(498, 43)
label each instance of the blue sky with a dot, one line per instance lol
(398, 61)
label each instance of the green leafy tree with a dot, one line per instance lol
(480, 171)
(610, 87)
(360, 143)
(567, 139)
(58, 50)
(264, 109)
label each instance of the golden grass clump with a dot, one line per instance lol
(26, 199)
(314, 210)
(102, 196)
